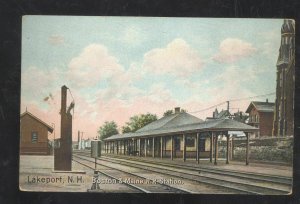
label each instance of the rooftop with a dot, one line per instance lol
(203, 126)
(170, 121)
(261, 106)
(50, 129)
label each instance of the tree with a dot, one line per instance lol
(126, 129)
(138, 121)
(168, 112)
(108, 129)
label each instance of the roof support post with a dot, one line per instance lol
(165, 145)
(145, 147)
(153, 147)
(232, 148)
(128, 147)
(117, 146)
(172, 146)
(161, 147)
(184, 147)
(134, 147)
(216, 149)
(247, 148)
(124, 149)
(113, 147)
(211, 146)
(197, 148)
(227, 150)
(140, 147)
(128, 144)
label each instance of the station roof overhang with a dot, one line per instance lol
(217, 125)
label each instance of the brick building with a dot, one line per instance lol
(34, 135)
(261, 116)
(284, 104)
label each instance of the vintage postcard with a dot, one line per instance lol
(157, 105)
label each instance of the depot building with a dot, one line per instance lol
(179, 135)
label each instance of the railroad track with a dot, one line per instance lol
(232, 180)
(134, 181)
(282, 180)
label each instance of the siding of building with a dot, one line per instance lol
(190, 150)
(261, 119)
(27, 146)
(266, 123)
(254, 121)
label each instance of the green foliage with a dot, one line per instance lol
(168, 112)
(108, 129)
(126, 129)
(138, 121)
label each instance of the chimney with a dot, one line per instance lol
(267, 101)
(177, 110)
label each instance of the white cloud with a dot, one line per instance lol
(132, 35)
(38, 83)
(56, 39)
(233, 49)
(177, 58)
(192, 85)
(92, 65)
(159, 93)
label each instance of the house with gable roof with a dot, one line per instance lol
(261, 116)
(34, 135)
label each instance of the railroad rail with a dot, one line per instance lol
(240, 182)
(282, 180)
(132, 180)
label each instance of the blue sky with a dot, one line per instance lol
(116, 67)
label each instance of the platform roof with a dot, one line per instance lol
(217, 125)
(172, 120)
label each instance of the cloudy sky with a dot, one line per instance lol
(117, 67)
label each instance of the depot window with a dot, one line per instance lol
(34, 137)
